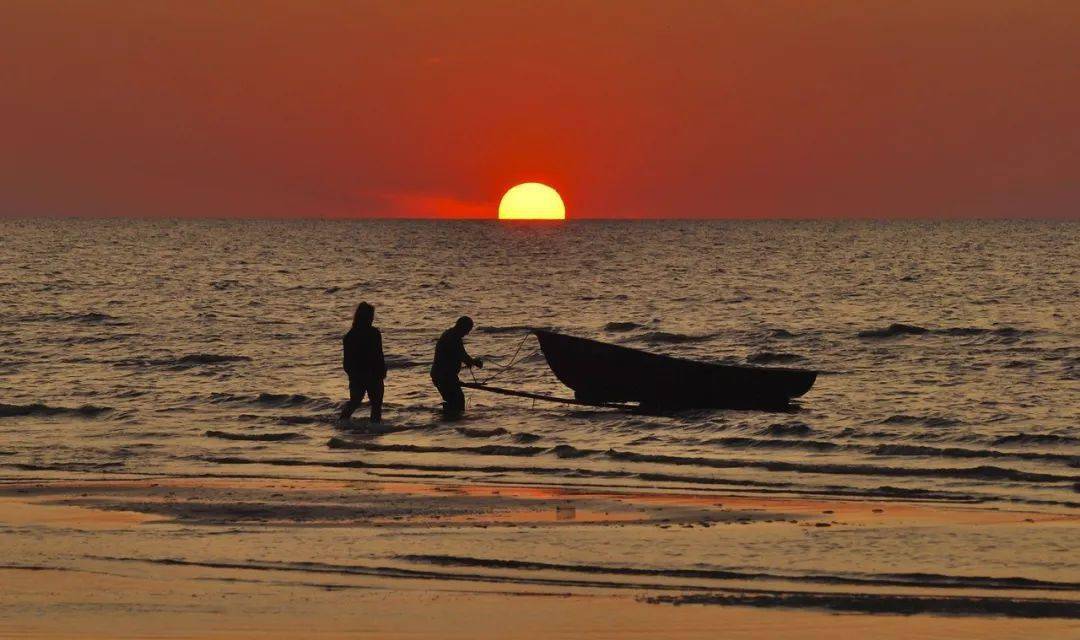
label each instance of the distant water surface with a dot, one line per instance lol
(949, 351)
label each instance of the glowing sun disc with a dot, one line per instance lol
(532, 201)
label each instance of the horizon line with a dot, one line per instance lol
(546, 221)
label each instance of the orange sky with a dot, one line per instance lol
(754, 108)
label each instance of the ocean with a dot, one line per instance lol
(949, 352)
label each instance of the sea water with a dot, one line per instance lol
(948, 352)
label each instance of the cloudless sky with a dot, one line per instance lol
(756, 108)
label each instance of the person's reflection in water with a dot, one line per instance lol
(450, 354)
(363, 360)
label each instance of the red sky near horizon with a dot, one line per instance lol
(630, 109)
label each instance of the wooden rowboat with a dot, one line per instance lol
(599, 372)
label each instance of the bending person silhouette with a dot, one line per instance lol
(363, 360)
(450, 354)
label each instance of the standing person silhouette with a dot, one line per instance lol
(363, 361)
(450, 354)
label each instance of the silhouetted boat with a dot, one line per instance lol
(599, 372)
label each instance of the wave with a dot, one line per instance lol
(182, 362)
(286, 400)
(513, 328)
(400, 362)
(73, 340)
(738, 442)
(882, 603)
(228, 283)
(290, 420)
(257, 437)
(484, 450)
(762, 486)
(622, 326)
(929, 421)
(64, 466)
(667, 337)
(564, 473)
(194, 359)
(885, 450)
(275, 400)
(900, 329)
(893, 330)
(329, 418)
(39, 409)
(1036, 438)
(979, 331)
(979, 473)
(861, 579)
(568, 451)
(336, 289)
(481, 433)
(1019, 364)
(88, 317)
(983, 472)
(471, 432)
(787, 429)
(959, 452)
(1071, 369)
(769, 357)
(538, 573)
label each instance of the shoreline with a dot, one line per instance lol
(514, 549)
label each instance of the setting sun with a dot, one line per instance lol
(532, 201)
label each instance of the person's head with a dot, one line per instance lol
(463, 325)
(364, 316)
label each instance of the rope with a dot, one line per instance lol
(503, 368)
(510, 366)
(513, 361)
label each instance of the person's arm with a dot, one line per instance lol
(380, 358)
(469, 360)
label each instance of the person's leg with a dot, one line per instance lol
(356, 398)
(455, 398)
(442, 391)
(347, 409)
(459, 400)
(375, 396)
(449, 392)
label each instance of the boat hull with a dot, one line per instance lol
(601, 372)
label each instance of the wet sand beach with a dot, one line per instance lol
(237, 557)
